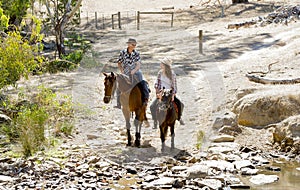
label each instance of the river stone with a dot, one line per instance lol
(149, 178)
(163, 181)
(224, 147)
(197, 171)
(219, 164)
(230, 130)
(223, 138)
(261, 179)
(267, 107)
(242, 164)
(211, 183)
(288, 127)
(92, 136)
(228, 118)
(249, 171)
(259, 160)
(179, 168)
(4, 178)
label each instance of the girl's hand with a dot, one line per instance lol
(173, 97)
(159, 94)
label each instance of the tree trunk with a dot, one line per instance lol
(239, 1)
(60, 26)
(59, 35)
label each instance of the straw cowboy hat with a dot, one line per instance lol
(131, 40)
(166, 61)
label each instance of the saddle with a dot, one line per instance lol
(126, 84)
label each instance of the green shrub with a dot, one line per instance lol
(17, 59)
(33, 115)
(3, 21)
(68, 62)
(200, 138)
(31, 129)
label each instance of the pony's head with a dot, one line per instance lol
(165, 99)
(109, 86)
(164, 104)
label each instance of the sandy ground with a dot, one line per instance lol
(208, 83)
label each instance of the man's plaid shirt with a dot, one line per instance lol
(128, 61)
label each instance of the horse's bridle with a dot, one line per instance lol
(165, 107)
(112, 90)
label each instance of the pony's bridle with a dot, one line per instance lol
(165, 106)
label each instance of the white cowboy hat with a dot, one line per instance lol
(166, 61)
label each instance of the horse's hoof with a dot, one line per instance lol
(137, 143)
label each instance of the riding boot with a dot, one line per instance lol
(145, 92)
(179, 111)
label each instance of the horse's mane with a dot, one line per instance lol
(124, 83)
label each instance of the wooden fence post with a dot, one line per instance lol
(103, 21)
(96, 24)
(87, 18)
(138, 20)
(172, 18)
(112, 21)
(200, 41)
(119, 20)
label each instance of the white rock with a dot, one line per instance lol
(261, 179)
(223, 138)
(4, 178)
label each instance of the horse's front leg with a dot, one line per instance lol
(172, 136)
(162, 136)
(126, 114)
(138, 127)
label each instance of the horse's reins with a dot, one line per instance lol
(166, 107)
(112, 91)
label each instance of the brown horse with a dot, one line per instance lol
(166, 116)
(131, 101)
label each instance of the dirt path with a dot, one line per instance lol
(207, 82)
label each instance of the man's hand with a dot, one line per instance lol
(132, 72)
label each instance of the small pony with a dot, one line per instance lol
(131, 101)
(166, 116)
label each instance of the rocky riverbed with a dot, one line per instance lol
(221, 146)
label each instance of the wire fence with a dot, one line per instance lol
(125, 20)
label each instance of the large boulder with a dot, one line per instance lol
(287, 134)
(267, 107)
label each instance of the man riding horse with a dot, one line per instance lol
(129, 63)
